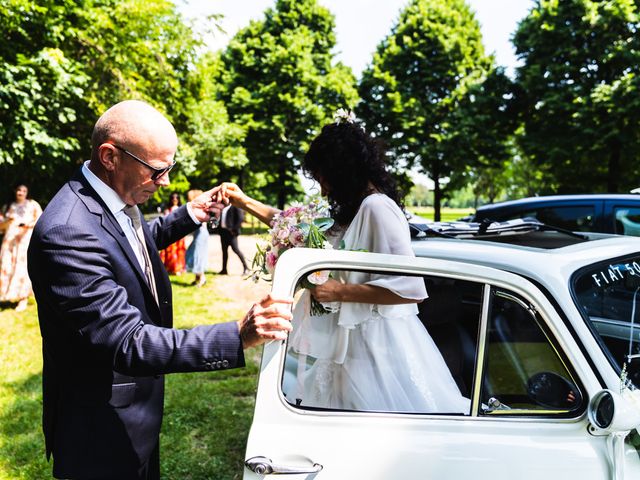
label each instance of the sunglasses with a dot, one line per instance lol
(157, 172)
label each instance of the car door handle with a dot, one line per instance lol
(264, 466)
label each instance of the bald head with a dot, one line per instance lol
(132, 123)
(131, 143)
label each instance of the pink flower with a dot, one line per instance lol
(296, 237)
(282, 236)
(271, 259)
(318, 277)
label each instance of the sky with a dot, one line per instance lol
(362, 24)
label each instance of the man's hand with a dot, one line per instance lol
(208, 204)
(269, 319)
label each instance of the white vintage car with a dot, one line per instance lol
(539, 331)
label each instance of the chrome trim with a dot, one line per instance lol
(530, 308)
(265, 466)
(482, 340)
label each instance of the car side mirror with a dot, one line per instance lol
(611, 412)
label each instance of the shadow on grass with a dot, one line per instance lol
(21, 439)
(206, 423)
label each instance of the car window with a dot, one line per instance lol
(423, 357)
(608, 295)
(523, 371)
(574, 218)
(410, 358)
(627, 221)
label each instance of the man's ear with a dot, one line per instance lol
(107, 157)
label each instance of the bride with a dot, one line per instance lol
(373, 353)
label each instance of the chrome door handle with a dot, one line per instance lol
(264, 466)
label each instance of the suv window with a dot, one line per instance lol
(393, 362)
(574, 218)
(627, 221)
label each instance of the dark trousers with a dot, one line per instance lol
(150, 471)
(228, 239)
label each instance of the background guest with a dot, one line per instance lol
(18, 222)
(198, 251)
(173, 256)
(230, 223)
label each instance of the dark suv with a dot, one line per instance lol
(607, 213)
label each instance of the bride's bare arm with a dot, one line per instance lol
(334, 291)
(239, 199)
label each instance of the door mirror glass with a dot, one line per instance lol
(612, 412)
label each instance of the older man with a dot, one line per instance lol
(105, 307)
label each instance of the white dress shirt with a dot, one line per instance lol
(115, 205)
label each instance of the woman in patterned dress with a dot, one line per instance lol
(173, 256)
(18, 222)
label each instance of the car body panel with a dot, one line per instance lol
(389, 445)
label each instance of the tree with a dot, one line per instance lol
(282, 85)
(64, 62)
(420, 75)
(213, 149)
(580, 86)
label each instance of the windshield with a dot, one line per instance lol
(608, 295)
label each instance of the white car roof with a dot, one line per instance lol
(532, 262)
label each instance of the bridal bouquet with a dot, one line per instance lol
(301, 225)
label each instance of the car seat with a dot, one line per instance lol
(441, 315)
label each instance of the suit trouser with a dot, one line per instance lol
(150, 471)
(228, 239)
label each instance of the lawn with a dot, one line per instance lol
(207, 415)
(446, 214)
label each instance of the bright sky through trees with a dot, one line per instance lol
(361, 24)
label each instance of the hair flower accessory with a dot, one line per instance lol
(343, 115)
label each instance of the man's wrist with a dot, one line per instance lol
(192, 215)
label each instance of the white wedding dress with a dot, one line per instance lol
(373, 357)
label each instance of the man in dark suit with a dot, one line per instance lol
(105, 307)
(230, 222)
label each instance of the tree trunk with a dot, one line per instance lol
(437, 198)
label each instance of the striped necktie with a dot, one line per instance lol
(133, 213)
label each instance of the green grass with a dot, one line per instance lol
(446, 214)
(207, 415)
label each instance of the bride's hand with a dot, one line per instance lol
(231, 193)
(329, 291)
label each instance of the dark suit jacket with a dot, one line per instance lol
(233, 220)
(106, 342)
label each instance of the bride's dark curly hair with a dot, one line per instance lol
(351, 163)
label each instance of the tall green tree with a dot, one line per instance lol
(213, 146)
(62, 62)
(282, 84)
(580, 86)
(420, 74)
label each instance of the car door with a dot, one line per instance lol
(515, 428)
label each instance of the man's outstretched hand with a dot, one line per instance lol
(269, 319)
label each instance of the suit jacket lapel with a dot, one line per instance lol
(95, 205)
